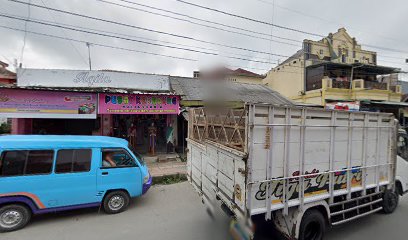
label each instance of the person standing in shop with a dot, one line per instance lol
(132, 135)
(152, 138)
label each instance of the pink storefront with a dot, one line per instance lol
(137, 117)
(138, 107)
(129, 116)
(39, 112)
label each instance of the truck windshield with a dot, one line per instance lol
(138, 156)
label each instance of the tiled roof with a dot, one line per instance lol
(193, 89)
(243, 72)
(4, 73)
(297, 55)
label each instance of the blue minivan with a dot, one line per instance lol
(43, 174)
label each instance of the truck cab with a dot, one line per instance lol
(402, 163)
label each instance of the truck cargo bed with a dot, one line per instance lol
(263, 158)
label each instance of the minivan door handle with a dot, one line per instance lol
(105, 173)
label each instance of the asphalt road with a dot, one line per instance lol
(176, 212)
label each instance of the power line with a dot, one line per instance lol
(249, 19)
(104, 35)
(254, 68)
(98, 44)
(385, 48)
(146, 29)
(202, 20)
(150, 39)
(185, 15)
(133, 40)
(400, 58)
(63, 32)
(278, 26)
(324, 19)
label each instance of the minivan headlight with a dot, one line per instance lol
(146, 178)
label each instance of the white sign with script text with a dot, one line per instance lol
(91, 79)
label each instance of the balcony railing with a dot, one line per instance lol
(340, 84)
(359, 84)
(375, 85)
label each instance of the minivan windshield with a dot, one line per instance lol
(138, 156)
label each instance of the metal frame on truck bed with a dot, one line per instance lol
(296, 166)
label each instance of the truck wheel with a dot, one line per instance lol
(13, 217)
(390, 201)
(313, 226)
(116, 202)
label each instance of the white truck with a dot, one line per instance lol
(295, 169)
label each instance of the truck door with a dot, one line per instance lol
(402, 161)
(118, 170)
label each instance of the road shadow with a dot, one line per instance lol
(77, 214)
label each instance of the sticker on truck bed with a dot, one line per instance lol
(314, 184)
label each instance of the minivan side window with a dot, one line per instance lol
(112, 158)
(26, 162)
(73, 160)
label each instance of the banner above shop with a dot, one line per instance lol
(346, 106)
(138, 104)
(18, 103)
(91, 79)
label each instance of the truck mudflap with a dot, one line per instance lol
(240, 231)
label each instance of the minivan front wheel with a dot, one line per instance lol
(13, 217)
(116, 202)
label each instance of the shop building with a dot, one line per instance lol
(141, 108)
(146, 109)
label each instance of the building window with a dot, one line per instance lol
(26, 162)
(294, 62)
(73, 160)
(196, 74)
(321, 51)
(354, 54)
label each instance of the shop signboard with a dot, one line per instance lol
(138, 104)
(18, 103)
(27, 77)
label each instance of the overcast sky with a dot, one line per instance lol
(373, 22)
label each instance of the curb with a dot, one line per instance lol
(169, 179)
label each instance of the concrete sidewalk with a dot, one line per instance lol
(164, 169)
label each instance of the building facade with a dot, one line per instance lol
(141, 108)
(334, 71)
(132, 106)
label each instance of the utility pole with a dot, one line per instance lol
(89, 55)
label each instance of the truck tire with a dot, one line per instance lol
(13, 217)
(313, 226)
(390, 201)
(116, 202)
